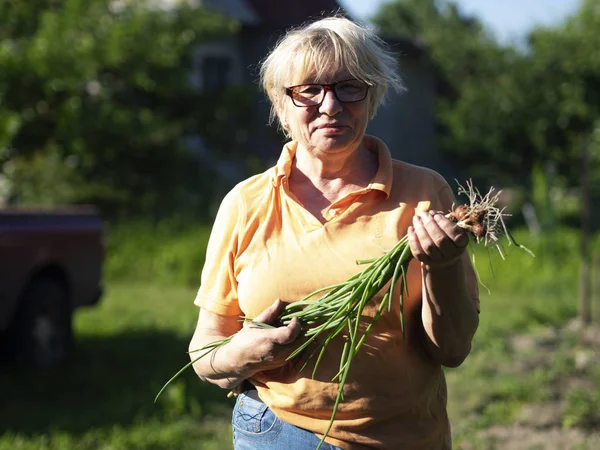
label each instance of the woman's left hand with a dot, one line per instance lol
(435, 240)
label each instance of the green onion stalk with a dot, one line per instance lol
(336, 309)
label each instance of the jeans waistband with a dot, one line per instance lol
(250, 390)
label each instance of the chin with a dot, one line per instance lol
(332, 148)
(338, 145)
(335, 143)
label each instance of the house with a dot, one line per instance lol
(406, 122)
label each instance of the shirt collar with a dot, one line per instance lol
(382, 180)
(284, 163)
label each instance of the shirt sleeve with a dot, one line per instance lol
(218, 285)
(446, 201)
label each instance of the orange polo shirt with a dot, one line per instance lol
(264, 245)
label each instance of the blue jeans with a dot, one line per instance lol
(255, 427)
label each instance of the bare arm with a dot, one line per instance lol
(250, 350)
(448, 313)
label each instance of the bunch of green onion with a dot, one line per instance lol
(341, 306)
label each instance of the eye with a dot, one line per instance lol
(307, 90)
(351, 86)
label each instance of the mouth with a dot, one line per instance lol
(332, 128)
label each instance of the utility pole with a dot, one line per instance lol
(584, 291)
(595, 285)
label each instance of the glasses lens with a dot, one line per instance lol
(351, 91)
(313, 94)
(307, 94)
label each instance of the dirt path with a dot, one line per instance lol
(570, 419)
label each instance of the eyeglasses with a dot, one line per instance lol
(313, 94)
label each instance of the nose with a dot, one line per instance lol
(330, 104)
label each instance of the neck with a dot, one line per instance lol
(355, 166)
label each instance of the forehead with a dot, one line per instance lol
(310, 65)
(325, 76)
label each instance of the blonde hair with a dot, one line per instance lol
(318, 47)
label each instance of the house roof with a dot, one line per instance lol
(236, 9)
(277, 13)
(274, 13)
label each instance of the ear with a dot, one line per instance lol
(283, 118)
(371, 107)
(371, 111)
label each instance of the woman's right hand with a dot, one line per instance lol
(259, 349)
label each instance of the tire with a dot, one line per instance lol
(42, 330)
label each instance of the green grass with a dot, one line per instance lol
(135, 339)
(167, 253)
(528, 296)
(127, 348)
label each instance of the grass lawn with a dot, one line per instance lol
(127, 348)
(131, 344)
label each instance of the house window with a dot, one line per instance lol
(215, 72)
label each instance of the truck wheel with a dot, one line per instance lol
(42, 330)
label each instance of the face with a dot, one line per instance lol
(332, 126)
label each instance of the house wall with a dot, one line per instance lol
(407, 121)
(255, 44)
(228, 49)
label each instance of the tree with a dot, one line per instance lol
(508, 113)
(475, 91)
(98, 93)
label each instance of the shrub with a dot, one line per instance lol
(165, 253)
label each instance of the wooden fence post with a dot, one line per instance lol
(584, 285)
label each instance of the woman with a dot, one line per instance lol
(335, 196)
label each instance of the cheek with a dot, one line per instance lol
(361, 114)
(300, 120)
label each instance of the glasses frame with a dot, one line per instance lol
(289, 91)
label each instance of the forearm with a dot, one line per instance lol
(449, 314)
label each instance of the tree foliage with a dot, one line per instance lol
(507, 112)
(474, 85)
(95, 99)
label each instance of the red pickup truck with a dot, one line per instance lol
(50, 265)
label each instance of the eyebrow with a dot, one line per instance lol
(337, 80)
(309, 78)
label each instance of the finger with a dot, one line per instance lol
(450, 239)
(414, 244)
(424, 226)
(416, 248)
(457, 235)
(286, 334)
(443, 243)
(433, 212)
(271, 313)
(447, 236)
(295, 327)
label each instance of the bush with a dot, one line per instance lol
(528, 292)
(100, 104)
(581, 409)
(554, 267)
(166, 253)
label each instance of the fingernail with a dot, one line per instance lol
(438, 217)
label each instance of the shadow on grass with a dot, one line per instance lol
(111, 380)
